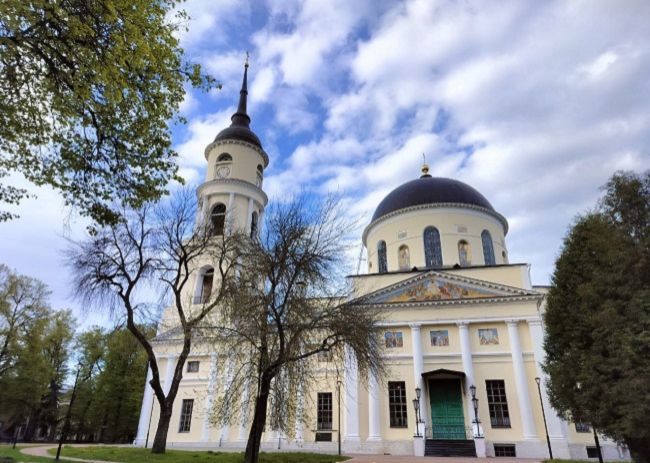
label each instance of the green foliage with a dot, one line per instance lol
(598, 316)
(86, 93)
(137, 455)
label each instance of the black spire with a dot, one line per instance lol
(240, 127)
(241, 117)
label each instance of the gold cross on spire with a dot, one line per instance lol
(247, 56)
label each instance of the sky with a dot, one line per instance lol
(535, 104)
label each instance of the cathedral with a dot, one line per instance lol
(463, 337)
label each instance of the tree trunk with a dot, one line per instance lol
(259, 419)
(160, 440)
(639, 450)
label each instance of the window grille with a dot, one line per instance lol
(497, 403)
(397, 406)
(381, 257)
(504, 450)
(186, 415)
(193, 367)
(324, 415)
(488, 248)
(432, 249)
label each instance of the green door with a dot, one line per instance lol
(447, 418)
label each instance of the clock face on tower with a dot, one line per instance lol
(223, 172)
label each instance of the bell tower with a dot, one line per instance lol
(231, 197)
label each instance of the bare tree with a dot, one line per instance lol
(163, 244)
(289, 306)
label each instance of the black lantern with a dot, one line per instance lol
(472, 390)
(416, 407)
(418, 391)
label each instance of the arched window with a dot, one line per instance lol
(260, 169)
(505, 257)
(218, 218)
(488, 248)
(381, 257)
(205, 281)
(254, 218)
(404, 257)
(464, 254)
(224, 157)
(432, 250)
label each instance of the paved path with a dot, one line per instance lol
(42, 451)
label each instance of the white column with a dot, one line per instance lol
(466, 353)
(242, 435)
(209, 398)
(249, 216)
(225, 429)
(374, 424)
(351, 402)
(169, 372)
(553, 421)
(521, 381)
(418, 365)
(145, 411)
(299, 411)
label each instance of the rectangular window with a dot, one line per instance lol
(324, 415)
(393, 339)
(186, 415)
(504, 450)
(397, 404)
(592, 452)
(582, 427)
(193, 367)
(497, 403)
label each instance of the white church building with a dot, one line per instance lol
(464, 329)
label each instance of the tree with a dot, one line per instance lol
(598, 314)
(87, 89)
(288, 306)
(156, 244)
(23, 301)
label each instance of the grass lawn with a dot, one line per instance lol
(139, 455)
(556, 460)
(8, 454)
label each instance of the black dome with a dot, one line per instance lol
(430, 190)
(239, 132)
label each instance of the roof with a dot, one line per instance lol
(430, 190)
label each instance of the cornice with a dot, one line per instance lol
(455, 302)
(232, 141)
(398, 212)
(233, 181)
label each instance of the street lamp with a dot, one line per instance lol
(472, 389)
(416, 406)
(538, 380)
(66, 423)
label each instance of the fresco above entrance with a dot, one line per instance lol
(433, 289)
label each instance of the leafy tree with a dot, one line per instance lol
(598, 316)
(286, 307)
(86, 92)
(119, 263)
(23, 301)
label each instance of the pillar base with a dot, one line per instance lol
(418, 446)
(351, 439)
(479, 445)
(373, 439)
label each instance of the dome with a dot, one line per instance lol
(239, 132)
(430, 190)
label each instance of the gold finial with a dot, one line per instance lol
(247, 56)
(425, 167)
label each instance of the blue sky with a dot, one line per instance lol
(535, 104)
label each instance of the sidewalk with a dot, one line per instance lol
(42, 451)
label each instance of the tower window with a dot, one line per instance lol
(204, 285)
(404, 257)
(260, 169)
(464, 254)
(254, 219)
(224, 157)
(218, 219)
(432, 249)
(488, 248)
(381, 257)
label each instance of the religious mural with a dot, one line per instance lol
(439, 338)
(488, 336)
(393, 339)
(433, 290)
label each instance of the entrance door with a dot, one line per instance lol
(447, 418)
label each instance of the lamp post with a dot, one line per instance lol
(538, 380)
(338, 393)
(472, 389)
(66, 423)
(416, 406)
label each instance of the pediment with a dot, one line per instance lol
(434, 286)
